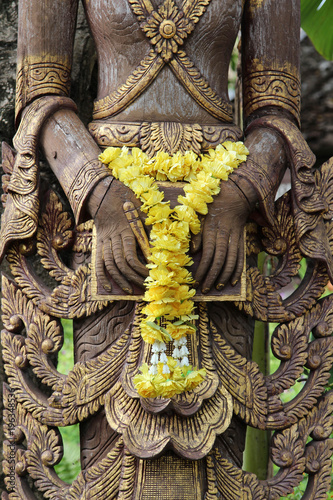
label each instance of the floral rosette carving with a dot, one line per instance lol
(167, 29)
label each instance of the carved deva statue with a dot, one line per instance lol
(153, 256)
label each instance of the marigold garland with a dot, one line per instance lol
(170, 309)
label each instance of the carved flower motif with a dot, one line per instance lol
(167, 28)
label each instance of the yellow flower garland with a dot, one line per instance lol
(168, 291)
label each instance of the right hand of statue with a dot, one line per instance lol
(116, 245)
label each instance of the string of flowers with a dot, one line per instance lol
(169, 312)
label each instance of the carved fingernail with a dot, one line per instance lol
(108, 288)
(128, 290)
(219, 286)
(233, 283)
(205, 290)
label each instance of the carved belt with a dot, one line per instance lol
(171, 137)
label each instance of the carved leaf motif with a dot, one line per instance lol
(253, 245)
(126, 416)
(262, 301)
(170, 137)
(138, 7)
(43, 338)
(324, 179)
(310, 290)
(287, 453)
(320, 359)
(82, 392)
(25, 278)
(83, 240)
(54, 234)
(17, 312)
(193, 9)
(289, 344)
(243, 380)
(319, 464)
(72, 299)
(280, 240)
(231, 480)
(14, 355)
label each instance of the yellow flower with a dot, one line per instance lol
(150, 335)
(109, 154)
(168, 389)
(157, 310)
(139, 157)
(182, 276)
(178, 168)
(128, 174)
(161, 276)
(180, 309)
(169, 259)
(158, 213)
(141, 185)
(158, 292)
(151, 198)
(194, 201)
(143, 383)
(178, 331)
(194, 378)
(239, 148)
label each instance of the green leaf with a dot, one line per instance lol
(190, 325)
(153, 325)
(159, 328)
(317, 22)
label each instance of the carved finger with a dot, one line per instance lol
(219, 258)
(207, 255)
(113, 270)
(231, 260)
(100, 272)
(196, 242)
(124, 268)
(131, 257)
(240, 261)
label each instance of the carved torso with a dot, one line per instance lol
(121, 45)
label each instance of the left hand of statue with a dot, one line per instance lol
(223, 237)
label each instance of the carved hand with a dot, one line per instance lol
(116, 244)
(223, 236)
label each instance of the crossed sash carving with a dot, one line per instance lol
(166, 29)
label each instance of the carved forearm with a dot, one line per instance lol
(270, 58)
(20, 218)
(44, 49)
(73, 156)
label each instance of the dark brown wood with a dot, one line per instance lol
(163, 74)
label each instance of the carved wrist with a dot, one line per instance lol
(264, 89)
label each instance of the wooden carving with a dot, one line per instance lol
(83, 262)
